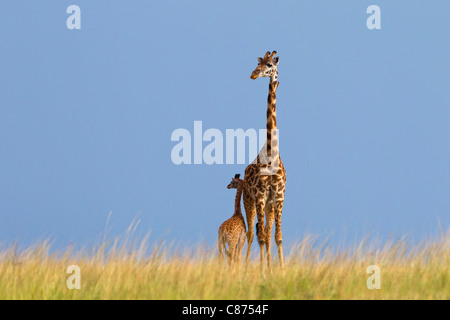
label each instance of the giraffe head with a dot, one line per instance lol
(267, 67)
(235, 182)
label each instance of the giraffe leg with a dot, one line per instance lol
(278, 235)
(240, 246)
(250, 212)
(269, 223)
(261, 233)
(221, 247)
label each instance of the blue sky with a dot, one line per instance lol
(86, 116)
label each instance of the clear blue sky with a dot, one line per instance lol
(86, 116)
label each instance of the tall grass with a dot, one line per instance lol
(127, 269)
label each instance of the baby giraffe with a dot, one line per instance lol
(233, 231)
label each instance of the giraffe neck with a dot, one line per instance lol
(274, 77)
(272, 106)
(271, 111)
(237, 202)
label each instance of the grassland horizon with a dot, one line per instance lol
(129, 269)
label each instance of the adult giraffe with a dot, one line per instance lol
(265, 177)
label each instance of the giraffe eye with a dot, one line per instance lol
(269, 65)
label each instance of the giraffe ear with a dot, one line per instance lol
(259, 59)
(275, 60)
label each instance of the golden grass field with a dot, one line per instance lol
(130, 270)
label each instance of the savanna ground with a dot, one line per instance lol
(130, 270)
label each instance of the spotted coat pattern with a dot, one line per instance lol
(264, 194)
(233, 230)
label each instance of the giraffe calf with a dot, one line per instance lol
(233, 230)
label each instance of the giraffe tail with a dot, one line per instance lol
(223, 244)
(240, 239)
(225, 248)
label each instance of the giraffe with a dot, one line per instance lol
(233, 230)
(264, 189)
